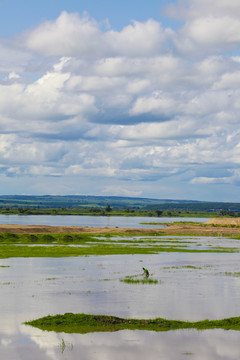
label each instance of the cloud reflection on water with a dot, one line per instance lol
(31, 288)
(131, 345)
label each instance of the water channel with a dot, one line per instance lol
(92, 221)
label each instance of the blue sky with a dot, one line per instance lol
(16, 16)
(129, 98)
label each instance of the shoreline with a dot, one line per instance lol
(210, 228)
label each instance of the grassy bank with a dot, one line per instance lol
(82, 323)
(105, 212)
(65, 245)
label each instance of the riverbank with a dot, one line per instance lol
(213, 227)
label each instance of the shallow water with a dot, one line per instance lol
(192, 286)
(92, 221)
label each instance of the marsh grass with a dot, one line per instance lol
(83, 323)
(235, 274)
(190, 267)
(131, 280)
(91, 244)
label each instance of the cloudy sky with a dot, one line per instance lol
(128, 98)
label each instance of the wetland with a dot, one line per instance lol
(48, 274)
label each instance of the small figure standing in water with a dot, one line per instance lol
(146, 272)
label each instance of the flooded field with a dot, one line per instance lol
(190, 286)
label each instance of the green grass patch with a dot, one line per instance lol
(191, 267)
(131, 280)
(234, 274)
(58, 245)
(9, 251)
(83, 323)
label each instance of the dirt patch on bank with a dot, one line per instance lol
(224, 221)
(216, 226)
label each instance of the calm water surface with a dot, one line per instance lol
(98, 221)
(191, 287)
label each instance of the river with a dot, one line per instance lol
(92, 221)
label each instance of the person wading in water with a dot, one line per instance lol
(146, 272)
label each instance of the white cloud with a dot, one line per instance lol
(138, 39)
(210, 34)
(228, 81)
(209, 180)
(185, 9)
(69, 35)
(13, 75)
(209, 27)
(14, 151)
(74, 35)
(158, 104)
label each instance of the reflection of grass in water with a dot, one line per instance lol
(83, 323)
(4, 266)
(62, 346)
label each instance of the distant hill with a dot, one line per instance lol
(116, 202)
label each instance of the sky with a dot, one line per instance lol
(129, 98)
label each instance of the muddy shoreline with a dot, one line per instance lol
(217, 227)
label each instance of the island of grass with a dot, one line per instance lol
(84, 323)
(92, 244)
(133, 280)
(98, 247)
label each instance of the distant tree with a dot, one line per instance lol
(224, 212)
(159, 212)
(108, 208)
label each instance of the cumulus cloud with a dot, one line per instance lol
(186, 9)
(75, 35)
(209, 27)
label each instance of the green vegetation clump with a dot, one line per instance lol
(83, 323)
(139, 281)
(67, 238)
(93, 244)
(32, 238)
(46, 238)
(133, 280)
(234, 274)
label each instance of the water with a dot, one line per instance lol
(92, 221)
(192, 286)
